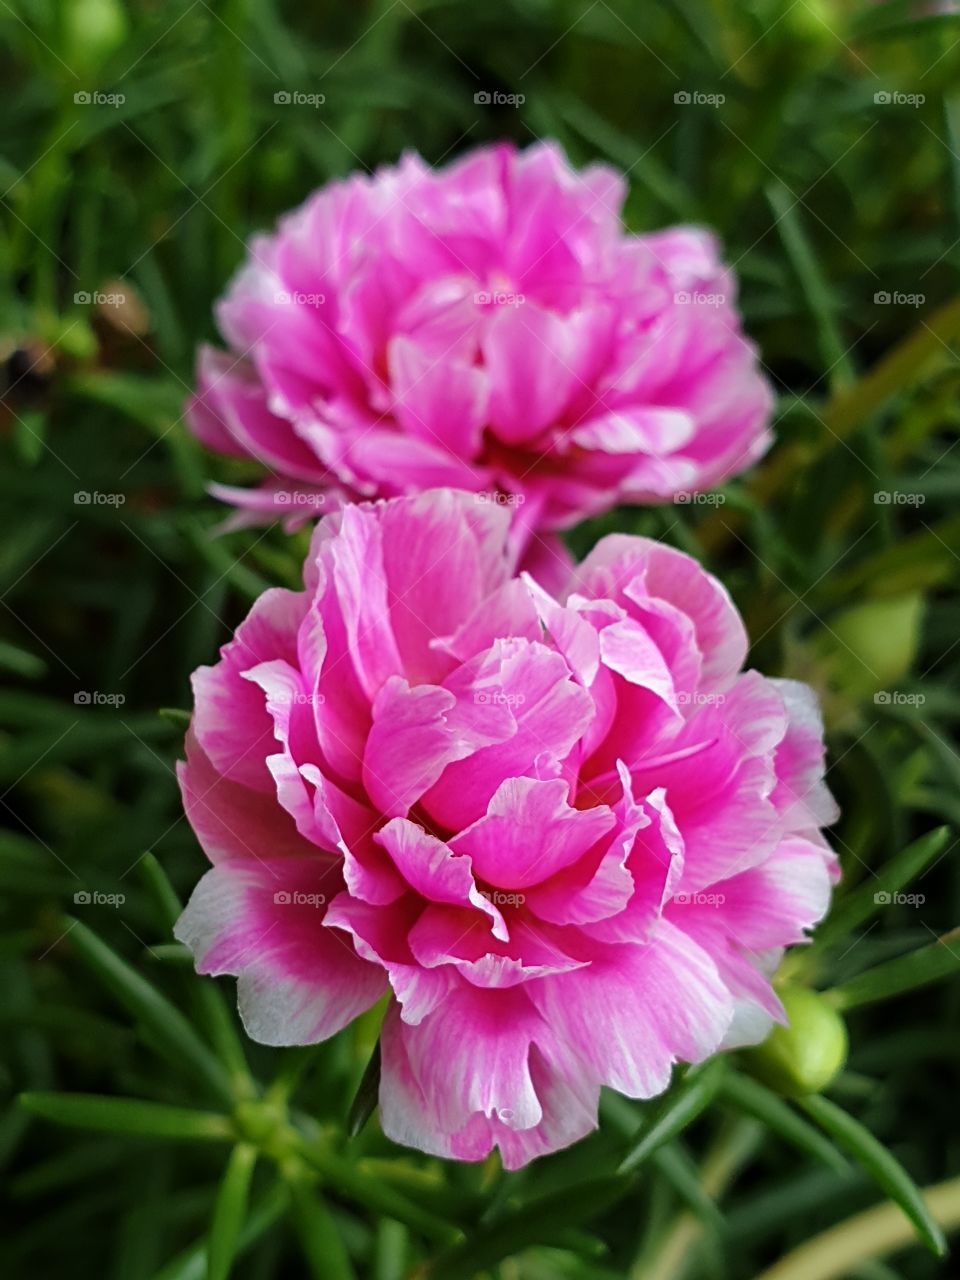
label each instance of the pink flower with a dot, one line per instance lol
(489, 326)
(568, 838)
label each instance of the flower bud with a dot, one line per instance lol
(804, 1056)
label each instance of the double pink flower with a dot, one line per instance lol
(490, 326)
(568, 835)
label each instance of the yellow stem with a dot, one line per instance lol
(873, 1234)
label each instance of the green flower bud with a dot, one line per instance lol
(876, 642)
(806, 1055)
(93, 30)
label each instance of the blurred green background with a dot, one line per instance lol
(142, 143)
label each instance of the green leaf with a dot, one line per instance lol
(209, 1005)
(876, 1160)
(679, 1109)
(353, 1184)
(833, 349)
(230, 1211)
(925, 965)
(178, 1040)
(543, 1221)
(679, 1171)
(191, 1264)
(365, 1100)
(859, 905)
(756, 1100)
(320, 1241)
(130, 1117)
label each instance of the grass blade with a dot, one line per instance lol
(905, 973)
(230, 1211)
(679, 1109)
(884, 1168)
(864, 901)
(130, 1117)
(756, 1100)
(180, 1043)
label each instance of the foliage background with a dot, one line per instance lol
(827, 197)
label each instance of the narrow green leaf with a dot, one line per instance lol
(679, 1108)
(210, 1007)
(365, 1101)
(320, 1241)
(863, 902)
(682, 1175)
(833, 350)
(756, 1100)
(543, 1221)
(926, 964)
(887, 1172)
(351, 1183)
(161, 891)
(390, 1251)
(173, 1033)
(130, 1117)
(230, 1211)
(192, 1263)
(175, 715)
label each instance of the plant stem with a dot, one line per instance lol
(721, 1165)
(873, 1234)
